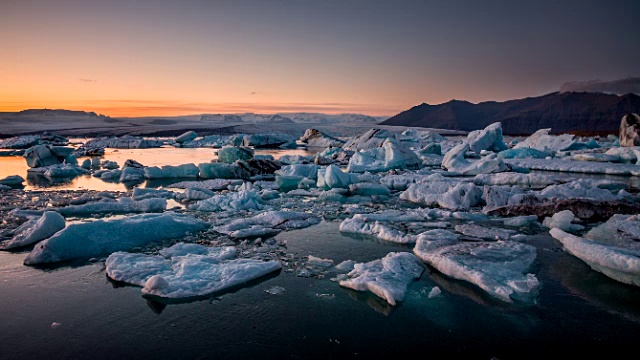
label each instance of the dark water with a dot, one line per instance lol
(579, 312)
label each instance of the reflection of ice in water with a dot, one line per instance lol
(16, 165)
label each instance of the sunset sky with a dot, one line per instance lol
(137, 58)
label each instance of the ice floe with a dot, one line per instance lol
(199, 271)
(387, 278)
(35, 230)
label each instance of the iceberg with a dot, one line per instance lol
(123, 205)
(230, 154)
(446, 193)
(562, 220)
(542, 141)
(332, 177)
(371, 225)
(102, 237)
(171, 172)
(267, 140)
(391, 155)
(34, 230)
(186, 137)
(316, 138)
(387, 278)
(490, 138)
(373, 138)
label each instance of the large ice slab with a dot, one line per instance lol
(100, 237)
(620, 230)
(388, 277)
(123, 205)
(489, 138)
(183, 275)
(616, 262)
(316, 138)
(230, 154)
(35, 230)
(123, 142)
(542, 141)
(499, 268)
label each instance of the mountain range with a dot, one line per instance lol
(576, 112)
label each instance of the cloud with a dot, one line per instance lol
(87, 80)
(619, 87)
(254, 93)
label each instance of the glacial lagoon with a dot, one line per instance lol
(72, 309)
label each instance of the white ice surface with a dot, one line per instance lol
(388, 277)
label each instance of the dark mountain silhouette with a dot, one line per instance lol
(585, 113)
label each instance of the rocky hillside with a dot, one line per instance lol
(588, 113)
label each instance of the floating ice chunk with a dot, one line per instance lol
(533, 181)
(596, 157)
(541, 140)
(391, 155)
(368, 189)
(108, 164)
(521, 221)
(230, 154)
(242, 200)
(333, 177)
(435, 291)
(149, 193)
(448, 194)
(624, 154)
(121, 206)
(212, 184)
(495, 196)
(170, 171)
(401, 182)
(562, 220)
(186, 137)
(13, 180)
(484, 232)
(618, 263)
(629, 130)
(585, 167)
(578, 189)
(455, 161)
(302, 170)
(319, 262)
(273, 140)
(619, 230)
(215, 141)
(112, 175)
(496, 267)
(387, 278)
(345, 266)
(295, 159)
(123, 142)
(100, 237)
(194, 194)
(414, 135)
(5, 187)
(360, 224)
(523, 153)
(267, 223)
(182, 275)
(35, 230)
(316, 138)
(221, 171)
(490, 138)
(131, 174)
(183, 249)
(373, 138)
(275, 290)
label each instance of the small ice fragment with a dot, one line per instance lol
(435, 291)
(275, 290)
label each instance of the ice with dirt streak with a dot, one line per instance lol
(267, 224)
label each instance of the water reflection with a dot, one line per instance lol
(16, 165)
(376, 303)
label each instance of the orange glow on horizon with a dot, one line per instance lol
(135, 108)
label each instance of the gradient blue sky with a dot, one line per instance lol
(376, 57)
